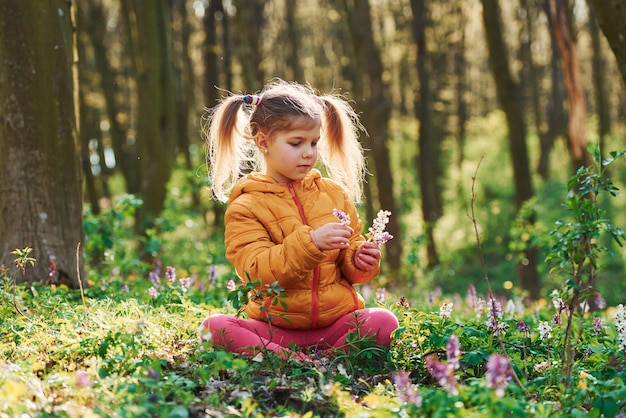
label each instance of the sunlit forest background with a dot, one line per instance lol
(423, 85)
(467, 103)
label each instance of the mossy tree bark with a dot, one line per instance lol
(40, 174)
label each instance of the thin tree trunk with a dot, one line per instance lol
(213, 51)
(354, 74)
(577, 142)
(599, 74)
(293, 38)
(555, 109)
(376, 119)
(427, 154)
(250, 21)
(126, 151)
(509, 96)
(40, 174)
(156, 111)
(460, 66)
(611, 15)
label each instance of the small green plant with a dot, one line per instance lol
(8, 282)
(239, 296)
(577, 248)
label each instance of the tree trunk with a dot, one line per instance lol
(460, 69)
(212, 52)
(611, 15)
(376, 114)
(577, 142)
(40, 175)
(555, 109)
(156, 105)
(510, 98)
(352, 72)
(599, 74)
(249, 21)
(211, 58)
(427, 154)
(293, 39)
(125, 149)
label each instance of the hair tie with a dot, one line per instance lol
(251, 99)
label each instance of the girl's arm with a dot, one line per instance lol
(252, 252)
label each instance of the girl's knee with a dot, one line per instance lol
(384, 318)
(384, 322)
(215, 327)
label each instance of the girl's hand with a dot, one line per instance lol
(332, 236)
(367, 256)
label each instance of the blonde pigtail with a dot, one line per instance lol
(230, 149)
(341, 152)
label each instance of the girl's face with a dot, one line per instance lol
(291, 154)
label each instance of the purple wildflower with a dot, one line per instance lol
(599, 301)
(556, 319)
(479, 308)
(170, 274)
(403, 302)
(522, 326)
(494, 315)
(559, 305)
(153, 373)
(154, 277)
(453, 352)
(471, 295)
(125, 288)
(442, 374)
(498, 373)
(343, 217)
(185, 283)
(212, 275)
(153, 292)
(405, 388)
(434, 294)
(598, 325)
(231, 286)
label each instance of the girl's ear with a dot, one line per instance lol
(261, 141)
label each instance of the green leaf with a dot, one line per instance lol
(474, 358)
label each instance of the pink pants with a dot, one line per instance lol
(249, 336)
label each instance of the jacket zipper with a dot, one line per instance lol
(316, 270)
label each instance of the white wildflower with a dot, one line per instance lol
(545, 330)
(541, 367)
(620, 324)
(445, 311)
(377, 233)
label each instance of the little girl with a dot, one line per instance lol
(280, 224)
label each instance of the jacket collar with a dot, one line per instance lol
(261, 183)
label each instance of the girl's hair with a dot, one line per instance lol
(230, 128)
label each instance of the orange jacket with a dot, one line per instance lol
(268, 237)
